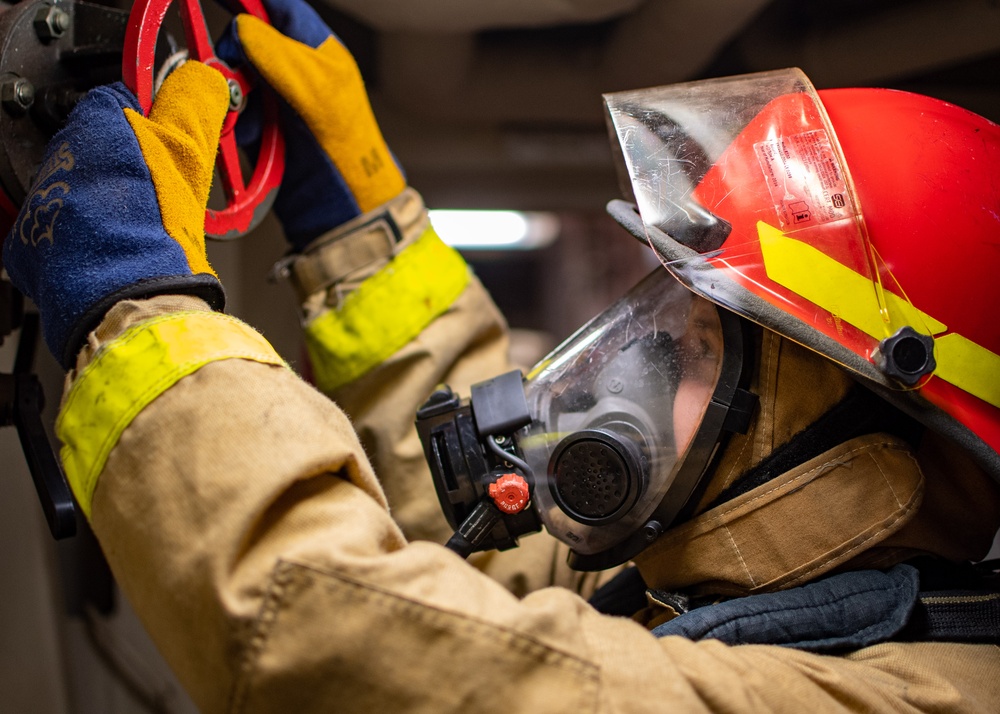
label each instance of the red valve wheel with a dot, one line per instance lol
(247, 202)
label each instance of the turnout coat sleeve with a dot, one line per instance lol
(466, 344)
(244, 521)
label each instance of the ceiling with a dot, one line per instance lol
(497, 103)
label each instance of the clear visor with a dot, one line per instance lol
(745, 197)
(615, 409)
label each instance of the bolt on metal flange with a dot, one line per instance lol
(17, 95)
(51, 22)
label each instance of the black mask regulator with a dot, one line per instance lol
(482, 482)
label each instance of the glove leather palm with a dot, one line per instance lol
(338, 165)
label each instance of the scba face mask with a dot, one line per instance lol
(606, 441)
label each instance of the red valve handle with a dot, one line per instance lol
(510, 493)
(246, 202)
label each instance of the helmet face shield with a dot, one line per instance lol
(874, 245)
(615, 410)
(740, 183)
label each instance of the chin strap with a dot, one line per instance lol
(860, 412)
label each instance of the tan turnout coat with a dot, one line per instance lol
(243, 515)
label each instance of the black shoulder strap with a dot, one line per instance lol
(957, 603)
(848, 611)
(955, 616)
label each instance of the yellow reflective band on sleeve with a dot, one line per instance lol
(128, 373)
(386, 312)
(850, 296)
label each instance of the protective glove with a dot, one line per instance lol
(369, 271)
(338, 166)
(118, 208)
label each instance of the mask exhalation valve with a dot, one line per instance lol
(596, 475)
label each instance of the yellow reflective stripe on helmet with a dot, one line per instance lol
(850, 296)
(386, 312)
(833, 286)
(131, 371)
(968, 366)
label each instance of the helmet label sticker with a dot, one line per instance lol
(805, 179)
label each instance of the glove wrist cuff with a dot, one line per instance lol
(357, 249)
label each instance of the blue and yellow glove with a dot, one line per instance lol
(368, 269)
(118, 208)
(337, 165)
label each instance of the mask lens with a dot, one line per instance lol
(614, 410)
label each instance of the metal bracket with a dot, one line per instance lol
(21, 403)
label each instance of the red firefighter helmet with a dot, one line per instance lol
(862, 223)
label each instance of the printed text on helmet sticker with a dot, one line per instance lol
(804, 179)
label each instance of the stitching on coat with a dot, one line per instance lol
(268, 615)
(843, 555)
(730, 477)
(286, 571)
(473, 622)
(886, 479)
(832, 462)
(708, 522)
(753, 580)
(766, 377)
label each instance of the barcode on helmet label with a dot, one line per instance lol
(805, 179)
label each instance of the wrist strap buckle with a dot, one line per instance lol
(363, 243)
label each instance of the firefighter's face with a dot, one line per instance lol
(700, 351)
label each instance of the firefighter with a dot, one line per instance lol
(795, 490)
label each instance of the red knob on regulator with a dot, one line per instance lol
(510, 493)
